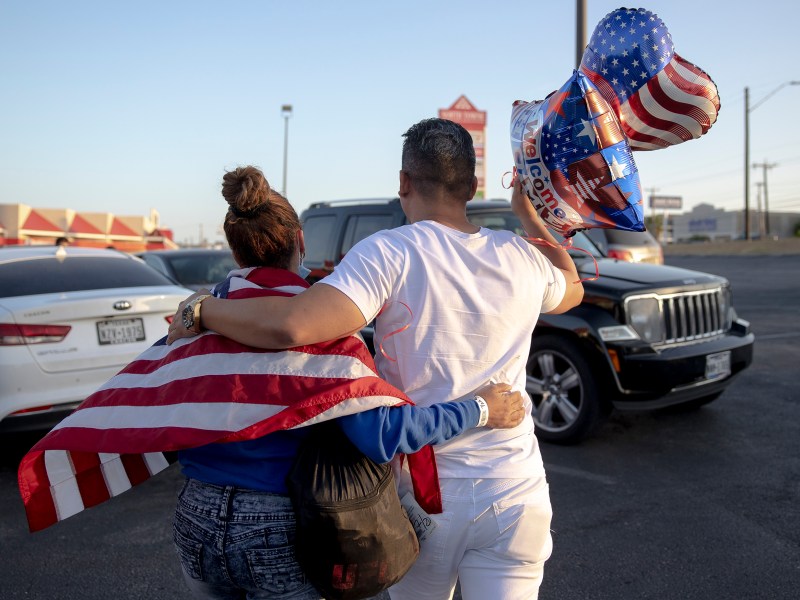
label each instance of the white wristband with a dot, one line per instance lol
(484, 418)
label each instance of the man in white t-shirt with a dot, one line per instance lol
(467, 300)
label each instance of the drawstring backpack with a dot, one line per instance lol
(354, 538)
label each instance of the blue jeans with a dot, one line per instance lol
(238, 544)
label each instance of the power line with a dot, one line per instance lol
(705, 177)
(786, 203)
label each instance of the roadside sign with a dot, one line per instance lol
(473, 120)
(665, 202)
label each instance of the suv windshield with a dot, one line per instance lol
(50, 275)
(201, 268)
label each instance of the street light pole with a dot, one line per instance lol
(286, 112)
(747, 110)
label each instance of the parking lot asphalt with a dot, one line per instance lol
(668, 505)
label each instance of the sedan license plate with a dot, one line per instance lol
(718, 365)
(120, 331)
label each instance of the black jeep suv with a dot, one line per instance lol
(644, 337)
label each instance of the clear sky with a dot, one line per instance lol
(127, 106)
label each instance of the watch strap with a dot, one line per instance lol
(196, 324)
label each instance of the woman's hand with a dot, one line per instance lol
(176, 328)
(506, 407)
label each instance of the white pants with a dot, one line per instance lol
(493, 536)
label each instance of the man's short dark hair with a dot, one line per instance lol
(439, 153)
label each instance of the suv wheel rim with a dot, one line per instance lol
(556, 390)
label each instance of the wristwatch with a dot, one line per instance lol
(191, 313)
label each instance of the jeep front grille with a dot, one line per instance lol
(679, 318)
(692, 315)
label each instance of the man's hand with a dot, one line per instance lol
(522, 206)
(176, 328)
(506, 408)
(535, 228)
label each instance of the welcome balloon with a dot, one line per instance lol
(660, 98)
(574, 161)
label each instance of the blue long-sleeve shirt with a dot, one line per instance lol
(380, 433)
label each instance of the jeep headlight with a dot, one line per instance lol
(644, 315)
(617, 333)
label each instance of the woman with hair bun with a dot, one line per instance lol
(234, 523)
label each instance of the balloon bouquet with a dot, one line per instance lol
(573, 150)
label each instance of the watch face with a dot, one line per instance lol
(188, 316)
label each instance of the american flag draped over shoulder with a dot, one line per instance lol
(199, 391)
(660, 98)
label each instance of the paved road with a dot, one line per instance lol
(703, 505)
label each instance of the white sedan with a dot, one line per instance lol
(70, 319)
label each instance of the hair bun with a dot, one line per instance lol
(246, 191)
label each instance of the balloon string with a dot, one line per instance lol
(513, 174)
(566, 245)
(396, 331)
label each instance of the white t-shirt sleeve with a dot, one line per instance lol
(367, 273)
(555, 286)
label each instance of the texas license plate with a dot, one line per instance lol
(120, 331)
(718, 365)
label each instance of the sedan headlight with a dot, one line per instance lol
(644, 315)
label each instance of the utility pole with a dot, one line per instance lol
(652, 191)
(580, 31)
(746, 163)
(766, 166)
(759, 214)
(747, 110)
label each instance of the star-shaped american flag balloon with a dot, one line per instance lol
(660, 98)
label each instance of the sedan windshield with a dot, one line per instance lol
(50, 275)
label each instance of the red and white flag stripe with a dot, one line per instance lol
(675, 106)
(198, 391)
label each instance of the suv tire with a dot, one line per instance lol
(563, 388)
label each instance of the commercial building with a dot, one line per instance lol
(705, 221)
(23, 224)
